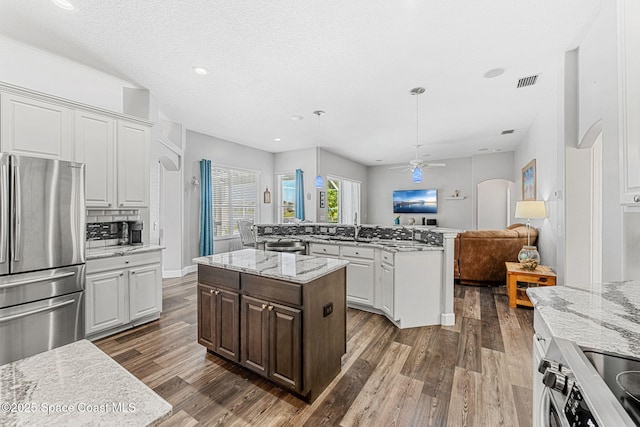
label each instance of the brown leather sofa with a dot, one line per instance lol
(480, 254)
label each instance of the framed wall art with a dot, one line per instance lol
(529, 181)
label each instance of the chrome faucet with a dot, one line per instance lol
(355, 226)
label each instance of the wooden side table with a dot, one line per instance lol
(541, 276)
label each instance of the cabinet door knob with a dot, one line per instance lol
(211, 291)
(636, 198)
(264, 306)
(126, 262)
(121, 274)
(270, 307)
(540, 338)
(133, 272)
(217, 292)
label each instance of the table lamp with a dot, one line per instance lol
(529, 257)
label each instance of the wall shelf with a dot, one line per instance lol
(455, 198)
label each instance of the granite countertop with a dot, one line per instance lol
(76, 384)
(278, 265)
(388, 245)
(109, 251)
(601, 316)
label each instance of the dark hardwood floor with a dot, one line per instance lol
(475, 373)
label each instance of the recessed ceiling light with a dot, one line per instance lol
(277, 139)
(497, 150)
(64, 4)
(494, 73)
(200, 70)
(426, 155)
(483, 149)
(297, 117)
(379, 160)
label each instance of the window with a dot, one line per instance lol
(287, 197)
(343, 200)
(235, 196)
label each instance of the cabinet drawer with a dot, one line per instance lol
(218, 277)
(272, 289)
(387, 257)
(320, 249)
(540, 280)
(123, 261)
(357, 252)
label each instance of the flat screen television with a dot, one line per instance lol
(415, 201)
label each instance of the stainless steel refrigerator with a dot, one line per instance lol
(42, 255)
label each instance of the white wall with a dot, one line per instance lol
(35, 69)
(451, 213)
(598, 99)
(332, 164)
(462, 174)
(224, 153)
(544, 141)
(288, 162)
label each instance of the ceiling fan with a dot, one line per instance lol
(418, 163)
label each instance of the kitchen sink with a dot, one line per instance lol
(286, 246)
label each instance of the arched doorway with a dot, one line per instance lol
(494, 204)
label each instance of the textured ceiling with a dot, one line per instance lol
(356, 59)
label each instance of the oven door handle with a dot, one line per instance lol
(545, 402)
(38, 310)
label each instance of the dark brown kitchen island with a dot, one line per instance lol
(281, 315)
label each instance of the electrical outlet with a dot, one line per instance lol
(327, 309)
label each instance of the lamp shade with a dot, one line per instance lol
(530, 209)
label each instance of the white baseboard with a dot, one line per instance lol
(448, 319)
(169, 274)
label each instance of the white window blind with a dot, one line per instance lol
(235, 196)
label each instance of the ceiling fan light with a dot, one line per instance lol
(417, 175)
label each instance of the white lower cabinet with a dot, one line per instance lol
(105, 301)
(145, 296)
(122, 292)
(361, 274)
(387, 271)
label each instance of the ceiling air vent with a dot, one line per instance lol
(528, 81)
(508, 131)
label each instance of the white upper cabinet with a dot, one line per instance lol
(629, 98)
(36, 128)
(133, 165)
(95, 146)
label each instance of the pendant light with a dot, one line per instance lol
(319, 183)
(416, 174)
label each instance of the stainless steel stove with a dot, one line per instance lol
(585, 387)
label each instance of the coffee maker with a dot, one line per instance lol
(135, 232)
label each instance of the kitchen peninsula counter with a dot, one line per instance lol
(600, 316)
(280, 315)
(277, 265)
(76, 384)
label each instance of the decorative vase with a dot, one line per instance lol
(529, 257)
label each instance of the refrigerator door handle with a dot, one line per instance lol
(38, 310)
(17, 244)
(39, 279)
(4, 213)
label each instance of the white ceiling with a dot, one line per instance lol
(356, 59)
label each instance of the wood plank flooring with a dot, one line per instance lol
(474, 373)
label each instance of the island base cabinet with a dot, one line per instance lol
(218, 321)
(271, 341)
(285, 340)
(255, 335)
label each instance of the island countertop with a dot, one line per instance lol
(601, 316)
(76, 384)
(278, 265)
